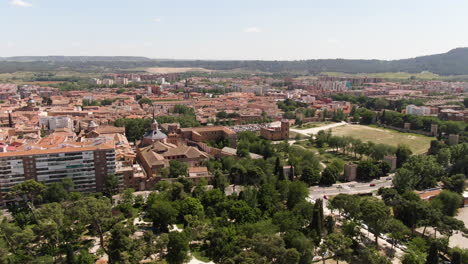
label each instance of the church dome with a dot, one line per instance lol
(155, 133)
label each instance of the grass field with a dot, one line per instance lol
(313, 125)
(418, 143)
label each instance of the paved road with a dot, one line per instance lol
(315, 130)
(356, 188)
(350, 187)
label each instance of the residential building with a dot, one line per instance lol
(54, 122)
(418, 110)
(87, 164)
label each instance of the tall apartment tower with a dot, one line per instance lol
(87, 166)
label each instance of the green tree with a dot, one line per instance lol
(163, 214)
(297, 192)
(111, 185)
(58, 191)
(456, 258)
(419, 172)
(121, 247)
(317, 222)
(15, 243)
(177, 168)
(145, 101)
(454, 183)
(444, 157)
(403, 153)
(372, 256)
(367, 171)
(279, 169)
(412, 257)
(310, 175)
(29, 190)
(223, 243)
(189, 206)
(177, 248)
(268, 198)
(126, 205)
(447, 202)
(329, 176)
(84, 257)
(397, 230)
(375, 214)
(220, 181)
(301, 243)
(433, 254)
(95, 213)
(338, 245)
(404, 180)
(367, 117)
(346, 203)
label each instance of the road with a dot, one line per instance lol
(317, 192)
(315, 130)
(353, 187)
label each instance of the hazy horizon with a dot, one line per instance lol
(233, 59)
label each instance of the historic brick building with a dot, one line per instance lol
(276, 133)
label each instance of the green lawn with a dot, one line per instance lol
(418, 143)
(313, 125)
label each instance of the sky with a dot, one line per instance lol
(233, 29)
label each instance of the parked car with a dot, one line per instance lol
(325, 197)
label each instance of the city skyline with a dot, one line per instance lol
(265, 30)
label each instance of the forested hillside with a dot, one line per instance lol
(454, 62)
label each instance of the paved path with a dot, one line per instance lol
(457, 239)
(353, 187)
(315, 130)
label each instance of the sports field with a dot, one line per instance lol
(418, 143)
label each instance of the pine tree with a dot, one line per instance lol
(432, 254)
(316, 225)
(291, 173)
(456, 258)
(383, 118)
(279, 169)
(10, 120)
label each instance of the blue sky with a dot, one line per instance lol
(233, 29)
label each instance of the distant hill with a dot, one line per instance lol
(74, 58)
(454, 62)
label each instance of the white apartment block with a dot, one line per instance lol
(418, 110)
(54, 122)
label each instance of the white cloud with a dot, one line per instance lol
(252, 30)
(157, 20)
(332, 40)
(20, 3)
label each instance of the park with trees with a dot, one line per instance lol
(269, 220)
